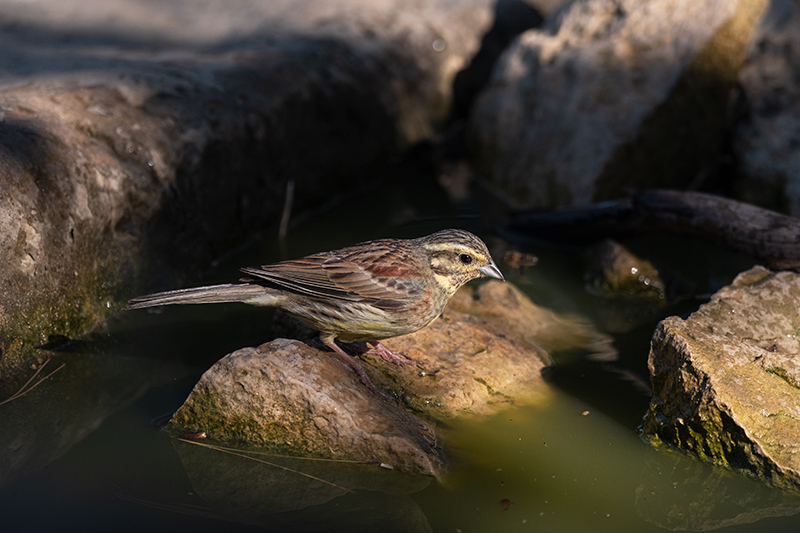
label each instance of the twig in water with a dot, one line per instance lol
(245, 456)
(23, 391)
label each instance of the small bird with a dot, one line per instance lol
(366, 292)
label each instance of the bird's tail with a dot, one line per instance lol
(213, 294)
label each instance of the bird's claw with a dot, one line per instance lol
(359, 371)
(390, 356)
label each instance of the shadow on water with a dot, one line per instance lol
(65, 397)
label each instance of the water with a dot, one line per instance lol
(83, 451)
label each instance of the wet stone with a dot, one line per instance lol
(725, 380)
(613, 271)
(287, 397)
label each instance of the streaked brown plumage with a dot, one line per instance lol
(367, 292)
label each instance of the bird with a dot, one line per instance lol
(370, 291)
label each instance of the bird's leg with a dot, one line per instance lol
(388, 355)
(355, 366)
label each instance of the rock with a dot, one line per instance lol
(512, 18)
(546, 7)
(766, 141)
(613, 271)
(609, 95)
(726, 383)
(483, 353)
(629, 290)
(290, 398)
(139, 139)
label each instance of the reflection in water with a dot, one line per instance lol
(41, 425)
(679, 493)
(303, 494)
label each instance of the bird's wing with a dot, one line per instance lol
(379, 274)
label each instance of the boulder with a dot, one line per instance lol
(609, 95)
(289, 397)
(726, 382)
(142, 141)
(766, 140)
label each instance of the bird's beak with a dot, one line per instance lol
(491, 271)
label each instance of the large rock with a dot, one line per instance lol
(609, 95)
(726, 381)
(766, 141)
(140, 141)
(291, 398)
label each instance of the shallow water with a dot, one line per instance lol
(84, 452)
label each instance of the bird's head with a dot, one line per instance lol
(456, 257)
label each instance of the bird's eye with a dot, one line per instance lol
(465, 258)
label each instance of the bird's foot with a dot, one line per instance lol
(388, 355)
(356, 367)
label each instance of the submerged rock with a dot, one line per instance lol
(726, 381)
(613, 271)
(609, 95)
(629, 290)
(482, 353)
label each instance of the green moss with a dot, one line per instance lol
(205, 411)
(489, 389)
(69, 310)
